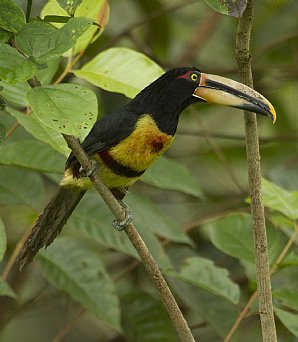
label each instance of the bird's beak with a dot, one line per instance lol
(226, 92)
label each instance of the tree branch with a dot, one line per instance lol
(254, 180)
(151, 267)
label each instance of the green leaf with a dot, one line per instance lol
(203, 273)
(151, 217)
(16, 94)
(287, 297)
(233, 236)
(13, 189)
(40, 131)
(66, 108)
(31, 154)
(12, 17)
(145, 319)
(233, 8)
(276, 198)
(204, 305)
(14, 67)
(4, 35)
(2, 239)
(72, 268)
(2, 133)
(288, 319)
(69, 6)
(6, 290)
(98, 10)
(169, 174)
(120, 70)
(44, 43)
(92, 220)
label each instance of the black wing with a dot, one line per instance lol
(107, 132)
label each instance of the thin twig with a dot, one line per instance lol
(254, 180)
(201, 34)
(149, 17)
(220, 154)
(67, 328)
(289, 138)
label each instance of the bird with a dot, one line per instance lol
(125, 142)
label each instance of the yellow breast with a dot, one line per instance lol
(145, 144)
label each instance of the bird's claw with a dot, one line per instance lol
(91, 172)
(120, 225)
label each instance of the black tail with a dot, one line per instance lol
(49, 223)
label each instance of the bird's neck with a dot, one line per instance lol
(165, 112)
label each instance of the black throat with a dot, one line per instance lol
(164, 100)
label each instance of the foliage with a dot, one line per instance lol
(189, 205)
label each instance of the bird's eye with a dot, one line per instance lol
(194, 77)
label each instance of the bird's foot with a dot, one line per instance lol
(91, 172)
(120, 225)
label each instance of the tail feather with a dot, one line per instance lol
(49, 223)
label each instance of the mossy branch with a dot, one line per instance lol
(243, 58)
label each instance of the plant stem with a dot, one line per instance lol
(254, 180)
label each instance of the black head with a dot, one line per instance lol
(168, 96)
(178, 88)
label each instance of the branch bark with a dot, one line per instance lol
(243, 58)
(152, 269)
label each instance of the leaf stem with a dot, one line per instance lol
(28, 10)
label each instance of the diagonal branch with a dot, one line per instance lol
(254, 181)
(151, 267)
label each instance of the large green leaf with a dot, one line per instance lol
(98, 10)
(234, 8)
(14, 190)
(4, 35)
(92, 220)
(15, 94)
(205, 306)
(71, 267)
(12, 17)
(31, 154)
(146, 320)
(5, 289)
(40, 131)
(203, 273)
(120, 70)
(150, 217)
(289, 320)
(44, 43)
(169, 174)
(14, 67)
(233, 235)
(287, 297)
(67, 108)
(276, 198)
(2, 239)
(69, 6)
